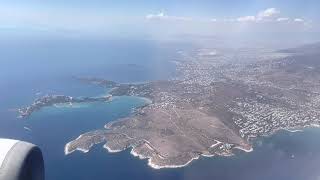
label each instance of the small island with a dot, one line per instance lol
(50, 100)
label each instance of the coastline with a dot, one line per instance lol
(111, 150)
(146, 100)
(67, 151)
(156, 166)
(243, 149)
(140, 156)
(294, 130)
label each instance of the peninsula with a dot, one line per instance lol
(50, 100)
(214, 105)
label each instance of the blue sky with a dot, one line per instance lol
(181, 7)
(159, 18)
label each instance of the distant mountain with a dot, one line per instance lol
(305, 49)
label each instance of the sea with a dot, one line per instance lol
(32, 68)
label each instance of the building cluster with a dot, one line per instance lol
(291, 103)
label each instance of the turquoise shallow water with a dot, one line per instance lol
(39, 67)
(62, 124)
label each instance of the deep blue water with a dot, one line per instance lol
(29, 67)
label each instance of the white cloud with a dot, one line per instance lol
(265, 16)
(162, 16)
(246, 19)
(153, 16)
(268, 20)
(268, 14)
(282, 19)
(298, 20)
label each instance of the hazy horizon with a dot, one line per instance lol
(262, 21)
